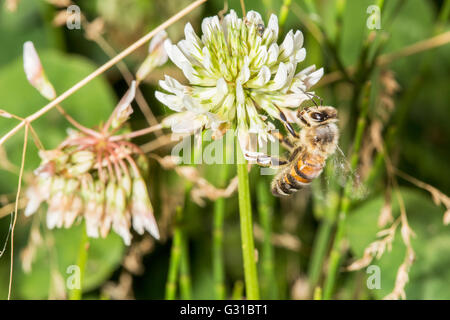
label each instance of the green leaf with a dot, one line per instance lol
(413, 23)
(430, 272)
(30, 22)
(104, 256)
(354, 30)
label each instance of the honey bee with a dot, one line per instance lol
(309, 149)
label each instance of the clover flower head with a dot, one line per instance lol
(238, 76)
(98, 176)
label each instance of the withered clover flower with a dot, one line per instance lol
(98, 176)
(238, 75)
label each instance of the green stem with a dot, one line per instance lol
(311, 7)
(284, 11)
(317, 294)
(238, 291)
(269, 288)
(321, 243)
(268, 5)
(337, 250)
(338, 245)
(185, 274)
(76, 294)
(443, 16)
(340, 9)
(245, 212)
(325, 206)
(217, 246)
(330, 45)
(175, 257)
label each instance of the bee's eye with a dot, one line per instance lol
(318, 116)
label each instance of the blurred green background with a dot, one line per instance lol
(409, 96)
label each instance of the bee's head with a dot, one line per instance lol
(316, 116)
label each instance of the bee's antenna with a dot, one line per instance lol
(311, 96)
(317, 97)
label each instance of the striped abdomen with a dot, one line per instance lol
(299, 174)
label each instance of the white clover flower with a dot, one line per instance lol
(238, 75)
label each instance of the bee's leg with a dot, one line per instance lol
(273, 162)
(264, 160)
(287, 125)
(285, 141)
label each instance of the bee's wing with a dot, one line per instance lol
(343, 174)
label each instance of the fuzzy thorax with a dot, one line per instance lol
(321, 140)
(320, 133)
